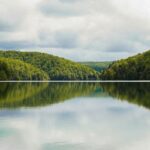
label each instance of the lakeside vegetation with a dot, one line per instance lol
(15, 65)
(12, 69)
(57, 68)
(132, 68)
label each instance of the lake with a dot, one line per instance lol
(74, 116)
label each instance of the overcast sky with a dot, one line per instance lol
(81, 30)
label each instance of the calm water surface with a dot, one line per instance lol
(74, 116)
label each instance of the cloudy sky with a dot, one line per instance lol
(81, 30)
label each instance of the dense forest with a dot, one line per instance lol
(57, 68)
(15, 65)
(132, 68)
(12, 69)
(98, 66)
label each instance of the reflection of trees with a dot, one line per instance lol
(59, 92)
(12, 93)
(38, 94)
(137, 93)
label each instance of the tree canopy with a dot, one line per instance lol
(57, 68)
(132, 68)
(11, 69)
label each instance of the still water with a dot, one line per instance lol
(74, 116)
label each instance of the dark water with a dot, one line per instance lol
(74, 116)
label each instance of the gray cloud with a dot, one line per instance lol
(69, 1)
(59, 39)
(15, 45)
(68, 8)
(66, 39)
(4, 26)
(61, 8)
(95, 29)
(12, 15)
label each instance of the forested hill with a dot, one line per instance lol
(132, 68)
(57, 68)
(98, 66)
(11, 69)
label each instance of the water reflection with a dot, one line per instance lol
(14, 95)
(137, 93)
(87, 116)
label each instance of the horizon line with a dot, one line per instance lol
(77, 81)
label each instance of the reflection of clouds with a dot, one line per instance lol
(81, 123)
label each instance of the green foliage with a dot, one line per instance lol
(132, 68)
(98, 66)
(11, 69)
(57, 68)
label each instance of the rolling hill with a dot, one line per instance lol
(132, 68)
(57, 68)
(11, 69)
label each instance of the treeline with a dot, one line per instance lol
(11, 69)
(57, 68)
(15, 65)
(132, 68)
(98, 66)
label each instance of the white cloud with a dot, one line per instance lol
(97, 28)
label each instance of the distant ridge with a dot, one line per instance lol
(98, 66)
